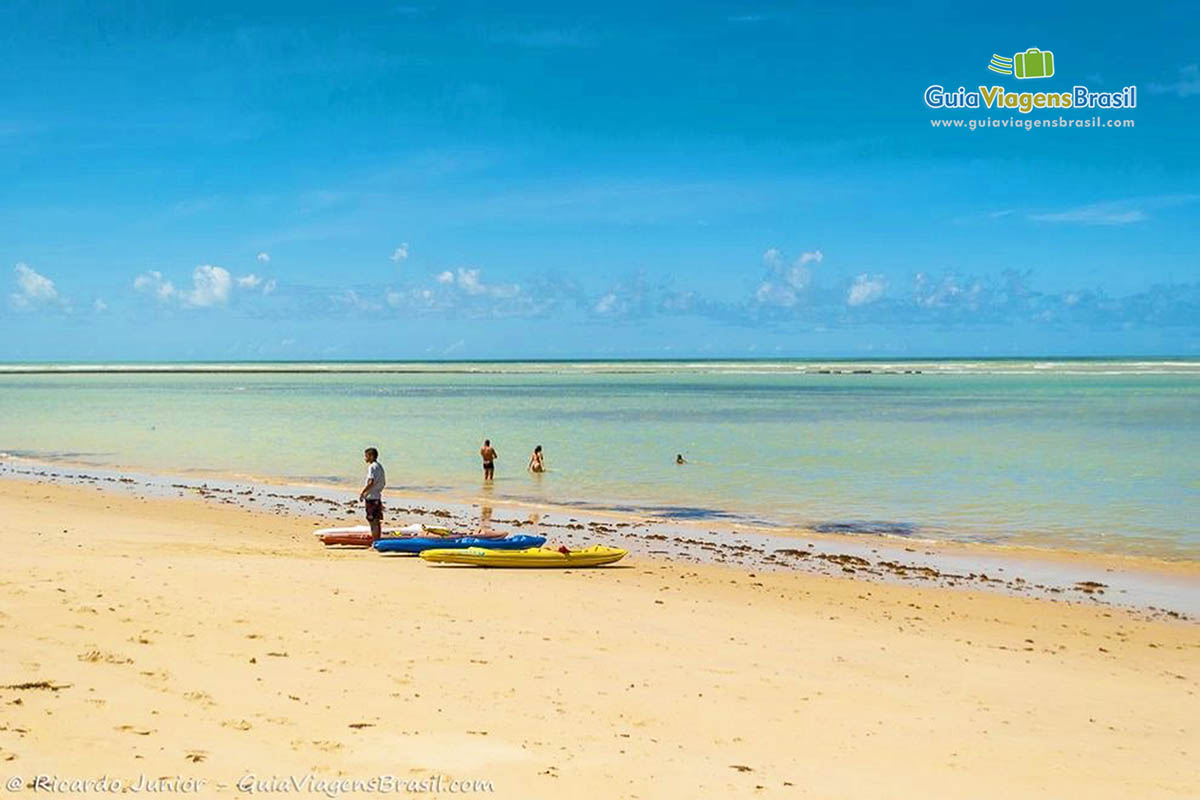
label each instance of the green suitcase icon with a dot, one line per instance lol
(1033, 63)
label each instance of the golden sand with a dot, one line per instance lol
(171, 640)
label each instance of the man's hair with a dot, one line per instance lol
(372, 452)
(487, 442)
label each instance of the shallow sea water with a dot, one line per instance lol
(1100, 455)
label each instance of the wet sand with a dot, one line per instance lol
(190, 638)
(1167, 588)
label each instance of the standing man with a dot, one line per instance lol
(372, 493)
(489, 456)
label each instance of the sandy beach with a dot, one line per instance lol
(153, 639)
(784, 420)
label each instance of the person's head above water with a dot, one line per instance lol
(370, 454)
(679, 458)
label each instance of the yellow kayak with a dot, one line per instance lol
(534, 557)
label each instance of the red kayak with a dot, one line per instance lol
(360, 535)
(348, 539)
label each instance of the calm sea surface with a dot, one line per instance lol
(1087, 454)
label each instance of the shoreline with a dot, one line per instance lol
(1166, 587)
(688, 516)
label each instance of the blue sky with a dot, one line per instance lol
(498, 180)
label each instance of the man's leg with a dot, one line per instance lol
(375, 518)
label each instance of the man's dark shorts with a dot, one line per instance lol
(374, 511)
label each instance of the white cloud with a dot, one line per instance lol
(469, 282)
(34, 288)
(798, 277)
(1187, 85)
(606, 304)
(416, 299)
(210, 286)
(638, 297)
(866, 289)
(679, 302)
(264, 257)
(269, 286)
(465, 291)
(770, 293)
(152, 282)
(99, 305)
(1117, 212)
(1101, 214)
(400, 254)
(356, 301)
(948, 292)
(784, 284)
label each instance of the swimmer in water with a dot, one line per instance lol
(489, 455)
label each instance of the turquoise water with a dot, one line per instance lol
(1086, 454)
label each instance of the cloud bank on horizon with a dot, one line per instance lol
(640, 182)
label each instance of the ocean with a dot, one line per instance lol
(1080, 454)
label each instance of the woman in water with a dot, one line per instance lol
(535, 461)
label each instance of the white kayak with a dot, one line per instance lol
(415, 529)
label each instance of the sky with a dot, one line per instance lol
(290, 181)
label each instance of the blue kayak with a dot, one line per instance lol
(417, 544)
